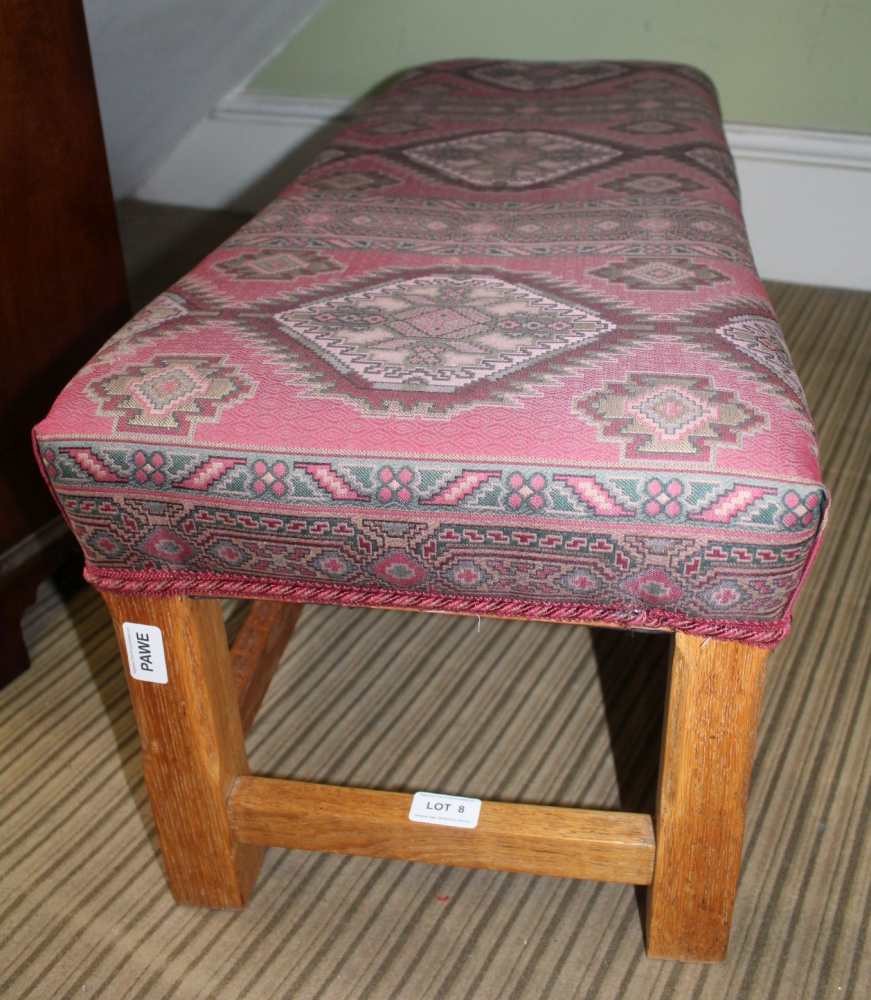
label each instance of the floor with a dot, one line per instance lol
(162, 242)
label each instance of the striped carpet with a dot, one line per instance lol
(529, 712)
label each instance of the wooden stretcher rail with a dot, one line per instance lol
(540, 840)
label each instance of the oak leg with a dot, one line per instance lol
(192, 747)
(712, 710)
(257, 650)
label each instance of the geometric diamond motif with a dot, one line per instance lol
(761, 339)
(660, 274)
(654, 184)
(170, 394)
(282, 265)
(724, 594)
(545, 76)
(665, 416)
(512, 159)
(439, 333)
(671, 411)
(356, 180)
(717, 162)
(653, 126)
(162, 310)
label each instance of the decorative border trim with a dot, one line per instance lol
(766, 634)
(381, 486)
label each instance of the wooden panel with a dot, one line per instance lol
(257, 650)
(64, 287)
(542, 840)
(714, 700)
(192, 748)
(51, 550)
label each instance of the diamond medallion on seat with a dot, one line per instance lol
(660, 274)
(654, 184)
(439, 334)
(281, 265)
(509, 159)
(668, 416)
(515, 75)
(653, 126)
(170, 394)
(348, 181)
(671, 411)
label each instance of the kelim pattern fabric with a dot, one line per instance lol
(501, 349)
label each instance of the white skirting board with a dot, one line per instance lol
(806, 194)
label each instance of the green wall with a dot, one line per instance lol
(795, 63)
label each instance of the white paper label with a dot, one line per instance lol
(145, 652)
(445, 810)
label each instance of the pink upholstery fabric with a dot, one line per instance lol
(502, 348)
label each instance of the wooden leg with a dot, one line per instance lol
(192, 746)
(712, 711)
(257, 650)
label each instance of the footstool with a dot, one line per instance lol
(501, 350)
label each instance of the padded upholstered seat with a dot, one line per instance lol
(501, 350)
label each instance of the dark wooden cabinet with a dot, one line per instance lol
(62, 282)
